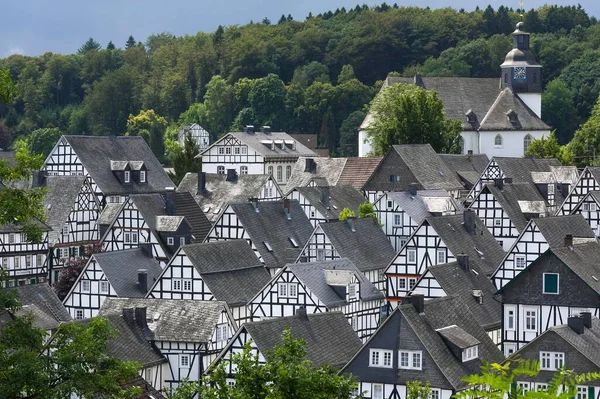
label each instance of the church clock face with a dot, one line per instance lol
(519, 73)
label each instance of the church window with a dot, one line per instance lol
(498, 141)
(526, 142)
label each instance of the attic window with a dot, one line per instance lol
(127, 177)
(470, 116)
(217, 210)
(142, 176)
(268, 246)
(294, 243)
(512, 116)
(206, 209)
(470, 353)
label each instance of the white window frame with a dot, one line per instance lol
(440, 255)
(411, 255)
(402, 283)
(181, 241)
(497, 222)
(582, 392)
(236, 150)
(170, 241)
(557, 283)
(127, 176)
(530, 321)
(352, 291)
(244, 150)
(510, 318)
(27, 261)
(243, 170)
(11, 238)
(287, 290)
(221, 150)
(78, 314)
(519, 258)
(221, 170)
(412, 363)
(288, 172)
(186, 284)
(227, 150)
(524, 385)
(279, 173)
(104, 287)
(270, 170)
(222, 332)
(17, 262)
(382, 358)
(397, 219)
(470, 353)
(435, 393)
(86, 285)
(320, 254)
(176, 284)
(377, 391)
(184, 361)
(412, 281)
(127, 237)
(142, 176)
(390, 204)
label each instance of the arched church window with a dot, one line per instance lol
(498, 141)
(526, 141)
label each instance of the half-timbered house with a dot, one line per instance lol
(408, 164)
(589, 208)
(539, 235)
(505, 209)
(329, 339)
(255, 152)
(465, 280)
(41, 303)
(437, 241)
(574, 345)
(23, 261)
(72, 211)
(401, 212)
(324, 286)
(323, 203)
(198, 133)
(121, 274)
(114, 166)
(436, 342)
(589, 180)
(189, 333)
(276, 230)
(220, 270)
(307, 169)
(467, 167)
(213, 192)
(361, 241)
(561, 282)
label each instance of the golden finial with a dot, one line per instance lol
(521, 7)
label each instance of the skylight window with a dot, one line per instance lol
(216, 210)
(206, 209)
(268, 246)
(294, 243)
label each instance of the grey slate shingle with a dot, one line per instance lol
(458, 336)
(582, 259)
(61, 195)
(555, 228)
(497, 119)
(510, 196)
(328, 168)
(340, 197)
(44, 298)
(420, 206)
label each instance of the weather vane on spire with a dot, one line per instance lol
(521, 7)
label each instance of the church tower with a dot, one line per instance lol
(521, 71)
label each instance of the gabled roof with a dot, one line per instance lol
(517, 199)
(582, 259)
(467, 167)
(329, 168)
(519, 169)
(230, 269)
(96, 153)
(179, 320)
(427, 167)
(147, 390)
(40, 318)
(219, 192)
(44, 298)
(150, 206)
(169, 224)
(507, 101)
(481, 245)
(270, 225)
(367, 247)
(555, 228)
(329, 338)
(15, 228)
(121, 270)
(426, 202)
(109, 213)
(187, 207)
(61, 194)
(457, 336)
(358, 170)
(313, 275)
(339, 197)
(260, 142)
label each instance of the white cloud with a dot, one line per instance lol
(15, 50)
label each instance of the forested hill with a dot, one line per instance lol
(311, 76)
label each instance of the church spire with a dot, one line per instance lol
(521, 71)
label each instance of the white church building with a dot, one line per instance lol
(500, 117)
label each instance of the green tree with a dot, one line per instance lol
(585, 145)
(41, 141)
(416, 390)
(349, 134)
(548, 147)
(367, 210)
(184, 160)
(218, 106)
(346, 74)
(313, 72)
(267, 98)
(408, 114)
(559, 111)
(90, 45)
(110, 45)
(151, 126)
(7, 87)
(130, 42)
(346, 213)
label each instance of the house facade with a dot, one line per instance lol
(24, 262)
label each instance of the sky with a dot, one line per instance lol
(34, 27)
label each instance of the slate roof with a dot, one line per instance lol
(109, 213)
(149, 206)
(230, 269)
(467, 167)
(329, 168)
(497, 119)
(40, 318)
(220, 192)
(587, 343)
(255, 141)
(97, 152)
(178, 320)
(61, 195)
(358, 170)
(14, 228)
(458, 282)
(329, 337)
(340, 197)
(555, 228)
(271, 225)
(367, 247)
(510, 198)
(148, 391)
(458, 337)
(185, 205)
(519, 169)
(426, 202)
(120, 268)
(168, 223)
(313, 276)
(44, 298)
(481, 245)
(582, 259)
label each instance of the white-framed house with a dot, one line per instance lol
(589, 180)
(24, 262)
(361, 241)
(225, 271)
(307, 169)
(539, 235)
(276, 230)
(401, 212)
(589, 208)
(188, 333)
(317, 287)
(119, 274)
(255, 152)
(437, 241)
(198, 133)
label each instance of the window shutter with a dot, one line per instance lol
(82, 250)
(513, 387)
(591, 393)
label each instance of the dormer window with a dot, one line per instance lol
(470, 353)
(142, 176)
(127, 176)
(470, 116)
(352, 291)
(512, 116)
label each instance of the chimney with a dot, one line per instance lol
(146, 248)
(301, 313)
(569, 240)
(142, 277)
(463, 261)
(587, 319)
(412, 189)
(499, 183)
(249, 129)
(310, 165)
(254, 202)
(266, 129)
(576, 324)
(418, 301)
(39, 178)
(325, 197)
(201, 182)
(351, 221)
(469, 221)
(231, 175)
(141, 321)
(170, 199)
(470, 153)
(287, 208)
